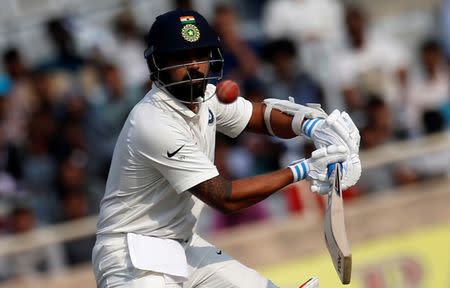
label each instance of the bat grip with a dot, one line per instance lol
(331, 167)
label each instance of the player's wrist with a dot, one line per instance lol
(299, 169)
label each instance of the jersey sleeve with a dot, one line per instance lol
(170, 149)
(233, 118)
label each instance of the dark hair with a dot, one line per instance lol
(183, 4)
(279, 46)
(375, 101)
(354, 10)
(433, 121)
(430, 44)
(10, 55)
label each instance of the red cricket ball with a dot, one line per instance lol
(227, 91)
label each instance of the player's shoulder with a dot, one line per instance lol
(210, 95)
(210, 90)
(151, 109)
(154, 122)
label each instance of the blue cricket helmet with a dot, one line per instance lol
(177, 31)
(180, 30)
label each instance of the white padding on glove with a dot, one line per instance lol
(315, 168)
(289, 107)
(338, 129)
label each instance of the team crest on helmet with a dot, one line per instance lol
(190, 33)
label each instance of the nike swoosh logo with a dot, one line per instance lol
(170, 155)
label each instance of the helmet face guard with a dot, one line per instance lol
(160, 76)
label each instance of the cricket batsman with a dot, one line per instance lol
(163, 170)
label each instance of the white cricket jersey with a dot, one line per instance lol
(163, 150)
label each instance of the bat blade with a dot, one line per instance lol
(334, 230)
(311, 283)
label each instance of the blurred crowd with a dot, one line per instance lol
(59, 118)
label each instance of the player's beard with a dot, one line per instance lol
(190, 91)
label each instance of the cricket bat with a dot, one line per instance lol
(334, 230)
(311, 283)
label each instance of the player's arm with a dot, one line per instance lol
(281, 123)
(231, 196)
(286, 119)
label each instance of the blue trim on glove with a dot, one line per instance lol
(331, 169)
(299, 170)
(299, 174)
(309, 125)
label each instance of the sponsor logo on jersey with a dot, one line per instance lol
(170, 155)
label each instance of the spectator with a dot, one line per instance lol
(250, 10)
(433, 164)
(376, 133)
(129, 50)
(368, 65)
(107, 116)
(183, 4)
(429, 88)
(11, 164)
(315, 26)
(40, 168)
(241, 63)
(379, 120)
(433, 122)
(76, 206)
(47, 259)
(379, 131)
(14, 64)
(21, 96)
(67, 58)
(72, 121)
(72, 176)
(284, 78)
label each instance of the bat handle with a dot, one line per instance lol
(331, 168)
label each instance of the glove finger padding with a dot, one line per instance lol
(321, 158)
(337, 128)
(336, 123)
(353, 130)
(351, 171)
(320, 187)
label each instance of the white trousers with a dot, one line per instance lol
(207, 266)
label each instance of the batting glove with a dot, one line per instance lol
(315, 168)
(338, 129)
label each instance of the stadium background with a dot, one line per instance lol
(72, 70)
